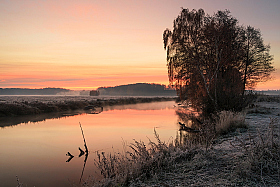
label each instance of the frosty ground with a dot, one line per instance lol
(230, 160)
(243, 157)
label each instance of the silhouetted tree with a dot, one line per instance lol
(205, 59)
(185, 48)
(257, 61)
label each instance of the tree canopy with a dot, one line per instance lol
(212, 60)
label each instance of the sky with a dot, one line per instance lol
(86, 44)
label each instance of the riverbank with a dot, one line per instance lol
(30, 105)
(245, 157)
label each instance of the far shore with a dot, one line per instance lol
(31, 105)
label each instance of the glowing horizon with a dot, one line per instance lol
(86, 45)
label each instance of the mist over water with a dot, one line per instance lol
(36, 151)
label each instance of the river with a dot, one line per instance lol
(35, 152)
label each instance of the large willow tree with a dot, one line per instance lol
(208, 59)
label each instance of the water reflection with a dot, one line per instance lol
(45, 139)
(92, 109)
(15, 120)
(193, 128)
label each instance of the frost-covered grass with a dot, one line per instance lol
(268, 98)
(140, 163)
(24, 105)
(262, 160)
(253, 162)
(61, 98)
(228, 121)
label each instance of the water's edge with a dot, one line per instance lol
(27, 106)
(26, 110)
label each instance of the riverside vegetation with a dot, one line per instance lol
(243, 150)
(211, 61)
(11, 106)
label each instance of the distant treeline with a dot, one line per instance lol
(269, 92)
(138, 89)
(26, 91)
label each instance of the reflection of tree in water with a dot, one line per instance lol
(15, 120)
(193, 128)
(93, 109)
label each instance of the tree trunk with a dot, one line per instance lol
(246, 68)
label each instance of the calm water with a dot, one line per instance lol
(36, 152)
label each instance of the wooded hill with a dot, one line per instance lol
(138, 89)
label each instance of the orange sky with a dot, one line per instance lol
(87, 44)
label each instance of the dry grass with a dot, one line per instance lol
(262, 161)
(185, 162)
(182, 162)
(144, 163)
(228, 121)
(19, 184)
(140, 163)
(268, 98)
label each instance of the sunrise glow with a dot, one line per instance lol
(88, 44)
